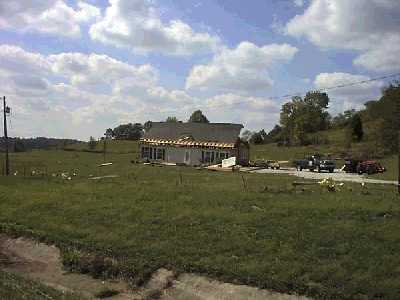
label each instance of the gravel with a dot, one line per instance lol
(338, 175)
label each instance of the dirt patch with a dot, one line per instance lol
(189, 286)
(41, 262)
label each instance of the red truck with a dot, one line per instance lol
(370, 167)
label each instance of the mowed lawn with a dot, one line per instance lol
(246, 228)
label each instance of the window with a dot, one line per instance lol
(222, 155)
(208, 156)
(187, 156)
(160, 153)
(145, 152)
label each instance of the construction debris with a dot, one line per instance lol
(106, 164)
(329, 183)
(103, 177)
(229, 162)
(223, 169)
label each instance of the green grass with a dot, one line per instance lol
(113, 146)
(392, 169)
(326, 245)
(13, 287)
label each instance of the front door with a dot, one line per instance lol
(187, 157)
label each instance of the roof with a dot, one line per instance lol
(194, 132)
(160, 142)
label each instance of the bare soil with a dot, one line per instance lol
(41, 262)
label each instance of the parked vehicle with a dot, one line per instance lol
(273, 164)
(350, 165)
(361, 167)
(370, 167)
(315, 162)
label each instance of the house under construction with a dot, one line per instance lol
(193, 143)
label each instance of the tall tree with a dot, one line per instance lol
(342, 120)
(92, 143)
(128, 131)
(198, 117)
(356, 128)
(302, 116)
(147, 125)
(109, 133)
(385, 113)
(246, 135)
(171, 120)
(274, 135)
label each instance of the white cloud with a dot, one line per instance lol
(46, 16)
(88, 92)
(77, 95)
(370, 27)
(242, 102)
(298, 3)
(351, 96)
(254, 112)
(95, 71)
(136, 24)
(242, 69)
(15, 60)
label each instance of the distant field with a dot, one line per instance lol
(250, 228)
(112, 146)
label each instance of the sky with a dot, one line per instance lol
(73, 68)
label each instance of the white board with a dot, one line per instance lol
(229, 162)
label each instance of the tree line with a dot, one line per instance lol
(302, 118)
(16, 144)
(134, 131)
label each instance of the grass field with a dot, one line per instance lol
(114, 146)
(13, 287)
(253, 229)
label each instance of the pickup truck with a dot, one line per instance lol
(315, 162)
(360, 166)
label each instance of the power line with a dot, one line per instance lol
(337, 86)
(288, 96)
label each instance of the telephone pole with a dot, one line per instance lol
(6, 110)
(398, 144)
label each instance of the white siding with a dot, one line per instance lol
(194, 156)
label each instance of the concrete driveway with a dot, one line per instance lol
(338, 175)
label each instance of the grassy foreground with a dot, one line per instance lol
(253, 229)
(13, 287)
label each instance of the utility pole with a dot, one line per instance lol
(104, 148)
(398, 144)
(6, 110)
